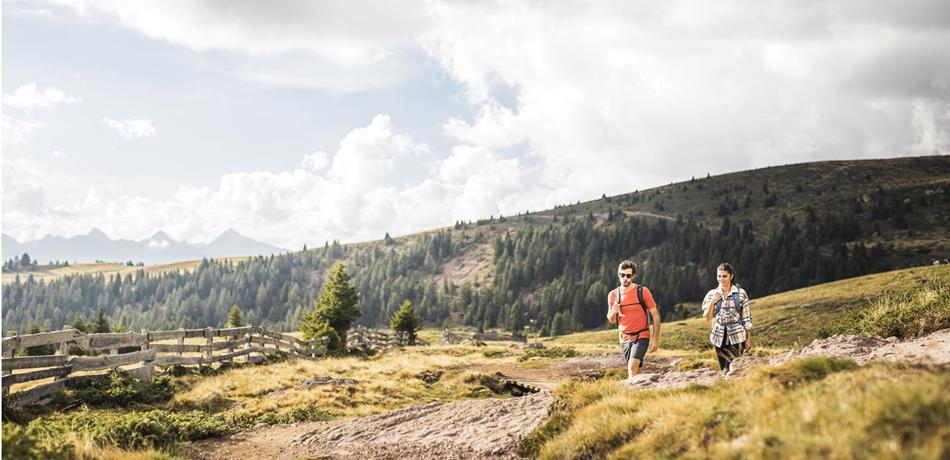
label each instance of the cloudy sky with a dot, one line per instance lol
(297, 122)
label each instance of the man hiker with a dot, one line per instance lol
(627, 307)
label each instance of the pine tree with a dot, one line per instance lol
(102, 324)
(406, 322)
(79, 323)
(336, 309)
(235, 319)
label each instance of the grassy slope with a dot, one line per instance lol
(788, 319)
(804, 409)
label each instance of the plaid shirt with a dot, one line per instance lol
(728, 317)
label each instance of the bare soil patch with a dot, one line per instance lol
(482, 428)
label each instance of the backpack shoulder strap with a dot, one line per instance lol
(738, 301)
(642, 304)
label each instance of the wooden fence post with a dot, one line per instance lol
(231, 340)
(248, 344)
(209, 340)
(114, 352)
(8, 353)
(148, 368)
(180, 341)
(63, 350)
(64, 346)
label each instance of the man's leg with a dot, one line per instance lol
(636, 361)
(633, 367)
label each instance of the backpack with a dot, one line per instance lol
(642, 305)
(736, 300)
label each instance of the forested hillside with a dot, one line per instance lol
(782, 228)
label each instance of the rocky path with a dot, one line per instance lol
(493, 428)
(482, 428)
(930, 350)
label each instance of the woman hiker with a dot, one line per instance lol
(627, 307)
(727, 308)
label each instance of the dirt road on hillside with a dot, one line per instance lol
(483, 428)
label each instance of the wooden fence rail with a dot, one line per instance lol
(376, 340)
(140, 350)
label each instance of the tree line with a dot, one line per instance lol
(556, 274)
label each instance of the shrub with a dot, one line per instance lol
(806, 370)
(120, 390)
(20, 443)
(906, 315)
(309, 413)
(133, 430)
(550, 352)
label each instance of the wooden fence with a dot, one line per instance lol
(377, 340)
(137, 353)
(361, 337)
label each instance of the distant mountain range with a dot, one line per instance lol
(160, 248)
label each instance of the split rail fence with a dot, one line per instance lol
(374, 339)
(136, 353)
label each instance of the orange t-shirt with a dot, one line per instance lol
(632, 318)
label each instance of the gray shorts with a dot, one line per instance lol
(636, 350)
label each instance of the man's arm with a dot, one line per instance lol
(612, 310)
(655, 335)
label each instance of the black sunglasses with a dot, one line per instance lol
(625, 275)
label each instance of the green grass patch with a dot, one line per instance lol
(119, 389)
(20, 443)
(495, 353)
(906, 315)
(805, 370)
(819, 407)
(548, 352)
(134, 430)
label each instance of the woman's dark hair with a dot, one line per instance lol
(628, 264)
(727, 267)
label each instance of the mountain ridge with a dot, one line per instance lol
(157, 249)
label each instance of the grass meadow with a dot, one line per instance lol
(811, 408)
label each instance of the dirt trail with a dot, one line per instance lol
(493, 428)
(930, 350)
(482, 428)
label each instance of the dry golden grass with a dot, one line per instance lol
(86, 449)
(384, 382)
(806, 409)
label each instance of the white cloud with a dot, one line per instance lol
(131, 129)
(27, 97)
(596, 97)
(345, 197)
(336, 46)
(159, 244)
(315, 161)
(613, 96)
(931, 119)
(17, 132)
